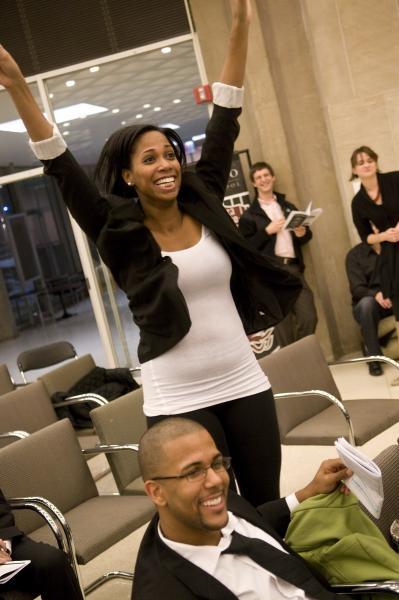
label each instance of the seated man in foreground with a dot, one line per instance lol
(208, 542)
(49, 573)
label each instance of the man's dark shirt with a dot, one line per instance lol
(361, 269)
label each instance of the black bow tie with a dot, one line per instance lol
(288, 567)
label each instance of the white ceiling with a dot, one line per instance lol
(154, 78)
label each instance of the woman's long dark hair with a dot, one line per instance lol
(117, 153)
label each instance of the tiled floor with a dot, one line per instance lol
(299, 462)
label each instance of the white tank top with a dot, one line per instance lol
(214, 362)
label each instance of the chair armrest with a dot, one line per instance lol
(108, 448)
(57, 523)
(363, 359)
(391, 587)
(80, 398)
(15, 434)
(330, 398)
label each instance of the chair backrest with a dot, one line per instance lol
(6, 382)
(295, 368)
(388, 461)
(48, 463)
(62, 378)
(44, 356)
(122, 421)
(27, 408)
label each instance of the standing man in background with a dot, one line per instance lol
(263, 224)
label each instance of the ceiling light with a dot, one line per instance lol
(157, 108)
(139, 116)
(115, 110)
(66, 124)
(146, 105)
(70, 83)
(94, 69)
(166, 50)
(51, 95)
(176, 101)
(123, 122)
(77, 111)
(65, 133)
(197, 138)
(68, 113)
(170, 125)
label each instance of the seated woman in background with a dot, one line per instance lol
(375, 212)
(195, 286)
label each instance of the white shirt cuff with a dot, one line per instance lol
(227, 96)
(50, 148)
(8, 545)
(292, 502)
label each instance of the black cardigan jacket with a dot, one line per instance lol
(162, 574)
(262, 292)
(253, 223)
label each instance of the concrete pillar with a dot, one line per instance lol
(284, 123)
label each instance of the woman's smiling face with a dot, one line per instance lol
(154, 169)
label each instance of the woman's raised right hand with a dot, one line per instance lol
(10, 73)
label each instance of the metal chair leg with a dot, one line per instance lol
(106, 577)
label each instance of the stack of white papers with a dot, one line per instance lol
(366, 481)
(11, 568)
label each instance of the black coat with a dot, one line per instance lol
(8, 529)
(162, 574)
(361, 262)
(365, 212)
(253, 223)
(263, 293)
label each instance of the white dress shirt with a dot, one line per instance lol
(284, 246)
(240, 574)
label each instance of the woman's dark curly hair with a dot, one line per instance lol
(116, 156)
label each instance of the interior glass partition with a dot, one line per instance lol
(15, 154)
(89, 103)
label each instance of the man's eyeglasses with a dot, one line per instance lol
(222, 463)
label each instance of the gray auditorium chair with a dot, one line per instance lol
(44, 356)
(50, 465)
(122, 422)
(310, 409)
(29, 408)
(7, 383)
(388, 461)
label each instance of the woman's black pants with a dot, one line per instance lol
(245, 429)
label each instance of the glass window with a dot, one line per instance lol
(151, 87)
(15, 154)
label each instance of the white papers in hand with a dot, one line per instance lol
(9, 569)
(366, 481)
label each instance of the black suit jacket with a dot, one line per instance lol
(262, 292)
(8, 530)
(162, 574)
(254, 221)
(361, 269)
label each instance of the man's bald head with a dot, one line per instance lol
(151, 447)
